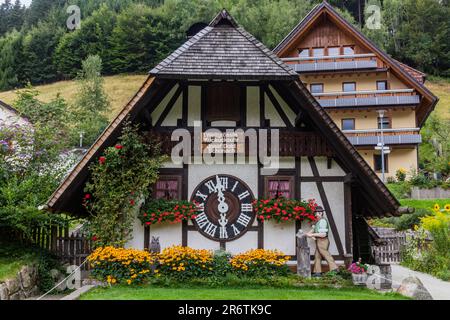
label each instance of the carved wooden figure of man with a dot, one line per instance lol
(320, 234)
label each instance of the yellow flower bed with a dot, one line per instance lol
(260, 261)
(117, 265)
(184, 261)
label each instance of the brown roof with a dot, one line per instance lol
(223, 50)
(406, 73)
(417, 75)
(70, 190)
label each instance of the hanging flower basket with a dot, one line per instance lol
(160, 210)
(283, 210)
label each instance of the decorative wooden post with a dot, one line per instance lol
(303, 255)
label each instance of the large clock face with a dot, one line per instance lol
(226, 209)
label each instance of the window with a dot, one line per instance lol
(381, 85)
(334, 51)
(168, 187)
(384, 123)
(349, 50)
(318, 52)
(303, 53)
(348, 124)
(316, 88)
(279, 187)
(349, 86)
(377, 162)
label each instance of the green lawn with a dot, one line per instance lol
(200, 293)
(10, 265)
(424, 204)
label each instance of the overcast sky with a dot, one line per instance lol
(25, 2)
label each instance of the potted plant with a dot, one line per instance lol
(359, 272)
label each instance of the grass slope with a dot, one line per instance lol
(122, 292)
(121, 88)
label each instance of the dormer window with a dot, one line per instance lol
(382, 85)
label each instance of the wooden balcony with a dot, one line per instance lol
(404, 97)
(390, 136)
(292, 143)
(334, 63)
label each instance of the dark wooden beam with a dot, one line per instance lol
(278, 107)
(327, 207)
(169, 106)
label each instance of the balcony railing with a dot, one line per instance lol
(333, 63)
(372, 137)
(367, 98)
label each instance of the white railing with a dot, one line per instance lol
(351, 93)
(399, 130)
(349, 56)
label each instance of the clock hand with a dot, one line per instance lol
(222, 206)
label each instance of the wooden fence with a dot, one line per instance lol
(393, 242)
(71, 248)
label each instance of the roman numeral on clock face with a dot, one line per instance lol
(234, 186)
(210, 229)
(235, 230)
(211, 186)
(223, 234)
(243, 219)
(201, 195)
(202, 220)
(244, 195)
(246, 207)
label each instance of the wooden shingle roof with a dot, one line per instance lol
(223, 50)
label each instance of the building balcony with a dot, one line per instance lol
(397, 97)
(372, 137)
(333, 63)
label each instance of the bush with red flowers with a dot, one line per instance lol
(282, 209)
(160, 210)
(118, 181)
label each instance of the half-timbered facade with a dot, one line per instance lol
(222, 78)
(352, 79)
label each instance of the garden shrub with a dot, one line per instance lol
(119, 265)
(260, 262)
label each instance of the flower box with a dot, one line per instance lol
(283, 210)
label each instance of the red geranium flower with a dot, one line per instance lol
(118, 146)
(87, 196)
(94, 238)
(102, 160)
(132, 202)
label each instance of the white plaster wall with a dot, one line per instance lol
(335, 196)
(280, 236)
(321, 163)
(272, 114)
(160, 108)
(169, 234)
(253, 107)
(194, 104)
(197, 241)
(287, 110)
(174, 114)
(244, 243)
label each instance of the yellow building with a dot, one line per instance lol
(353, 80)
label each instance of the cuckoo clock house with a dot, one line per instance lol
(352, 80)
(224, 79)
